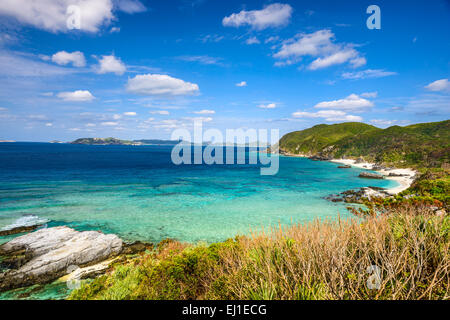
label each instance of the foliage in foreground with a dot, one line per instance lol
(321, 260)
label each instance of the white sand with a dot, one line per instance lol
(404, 182)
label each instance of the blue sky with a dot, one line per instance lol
(140, 69)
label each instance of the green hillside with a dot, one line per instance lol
(424, 145)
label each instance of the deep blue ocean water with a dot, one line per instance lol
(137, 193)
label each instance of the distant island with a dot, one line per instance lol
(119, 142)
(143, 142)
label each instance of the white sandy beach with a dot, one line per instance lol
(404, 181)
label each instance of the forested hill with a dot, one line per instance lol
(424, 144)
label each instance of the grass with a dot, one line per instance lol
(320, 260)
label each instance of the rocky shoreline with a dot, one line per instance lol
(50, 253)
(359, 195)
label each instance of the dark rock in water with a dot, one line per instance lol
(344, 166)
(334, 198)
(370, 175)
(47, 254)
(319, 158)
(20, 229)
(376, 188)
(136, 247)
(393, 174)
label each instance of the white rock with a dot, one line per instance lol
(53, 250)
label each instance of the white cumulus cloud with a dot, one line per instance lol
(328, 115)
(52, 15)
(130, 113)
(351, 103)
(110, 64)
(273, 15)
(320, 45)
(241, 84)
(78, 95)
(252, 40)
(439, 85)
(76, 58)
(159, 84)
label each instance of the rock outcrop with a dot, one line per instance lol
(370, 175)
(45, 255)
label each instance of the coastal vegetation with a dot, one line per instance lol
(403, 254)
(423, 145)
(398, 247)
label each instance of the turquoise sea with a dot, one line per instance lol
(137, 193)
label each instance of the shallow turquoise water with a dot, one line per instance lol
(137, 193)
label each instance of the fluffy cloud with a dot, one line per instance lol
(442, 85)
(205, 112)
(23, 65)
(328, 115)
(267, 106)
(159, 84)
(320, 45)
(368, 74)
(241, 84)
(338, 57)
(351, 103)
(110, 64)
(78, 95)
(273, 15)
(131, 113)
(252, 40)
(76, 58)
(52, 15)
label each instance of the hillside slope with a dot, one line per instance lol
(425, 144)
(314, 140)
